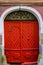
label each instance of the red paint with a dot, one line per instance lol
(21, 41)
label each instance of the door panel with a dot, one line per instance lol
(36, 35)
(13, 56)
(30, 41)
(27, 35)
(29, 55)
(12, 41)
(12, 35)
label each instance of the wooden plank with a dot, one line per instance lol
(21, 1)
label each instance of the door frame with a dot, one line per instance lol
(23, 8)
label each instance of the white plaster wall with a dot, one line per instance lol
(0, 27)
(41, 27)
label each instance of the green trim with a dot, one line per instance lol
(20, 15)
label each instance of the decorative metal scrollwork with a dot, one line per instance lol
(20, 15)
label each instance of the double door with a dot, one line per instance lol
(21, 40)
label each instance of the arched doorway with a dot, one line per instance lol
(29, 9)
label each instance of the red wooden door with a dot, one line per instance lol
(21, 41)
(29, 41)
(12, 41)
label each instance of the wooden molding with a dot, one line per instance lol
(22, 1)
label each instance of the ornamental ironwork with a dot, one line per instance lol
(20, 15)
